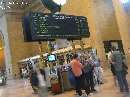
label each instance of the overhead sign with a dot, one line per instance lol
(40, 26)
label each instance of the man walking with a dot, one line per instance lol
(117, 61)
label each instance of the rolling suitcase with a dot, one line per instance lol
(55, 85)
(56, 88)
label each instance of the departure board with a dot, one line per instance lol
(57, 26)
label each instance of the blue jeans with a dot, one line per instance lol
(79, 84)
(123, 84)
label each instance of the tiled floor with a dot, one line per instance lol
(16, 88)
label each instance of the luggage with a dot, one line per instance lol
(55, 85)
(56, 88)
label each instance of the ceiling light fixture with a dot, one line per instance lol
(124, 1)
(1, 48)
(60, 2)
(54, 5)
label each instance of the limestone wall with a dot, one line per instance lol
(101, 20)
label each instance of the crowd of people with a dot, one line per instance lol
(87, 71)
(37, 80)
(119, 68)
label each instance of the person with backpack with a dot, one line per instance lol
(117, 61)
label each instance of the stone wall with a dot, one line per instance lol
(101, 20)
(19, 48)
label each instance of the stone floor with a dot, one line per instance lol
(16, 88)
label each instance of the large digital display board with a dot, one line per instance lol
(39, 26)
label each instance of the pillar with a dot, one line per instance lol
(123, 21)
(96, 34)
(7, 54)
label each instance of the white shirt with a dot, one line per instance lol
(109, 55)
(41, 80)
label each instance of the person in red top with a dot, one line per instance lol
(77, 71)
(76, 67)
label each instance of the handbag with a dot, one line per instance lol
(125, 68)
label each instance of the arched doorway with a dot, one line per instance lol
(5, 47)
(2, 57)
(5, 59)
(2, 53)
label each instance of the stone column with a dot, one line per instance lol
(4, 32)
(123, 21)
(96, 34)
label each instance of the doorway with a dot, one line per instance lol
(2, 54)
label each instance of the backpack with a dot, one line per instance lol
(88, 66)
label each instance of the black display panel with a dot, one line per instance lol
(27, 28)
(56, 26)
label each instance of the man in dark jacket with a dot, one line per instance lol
(88, 70)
